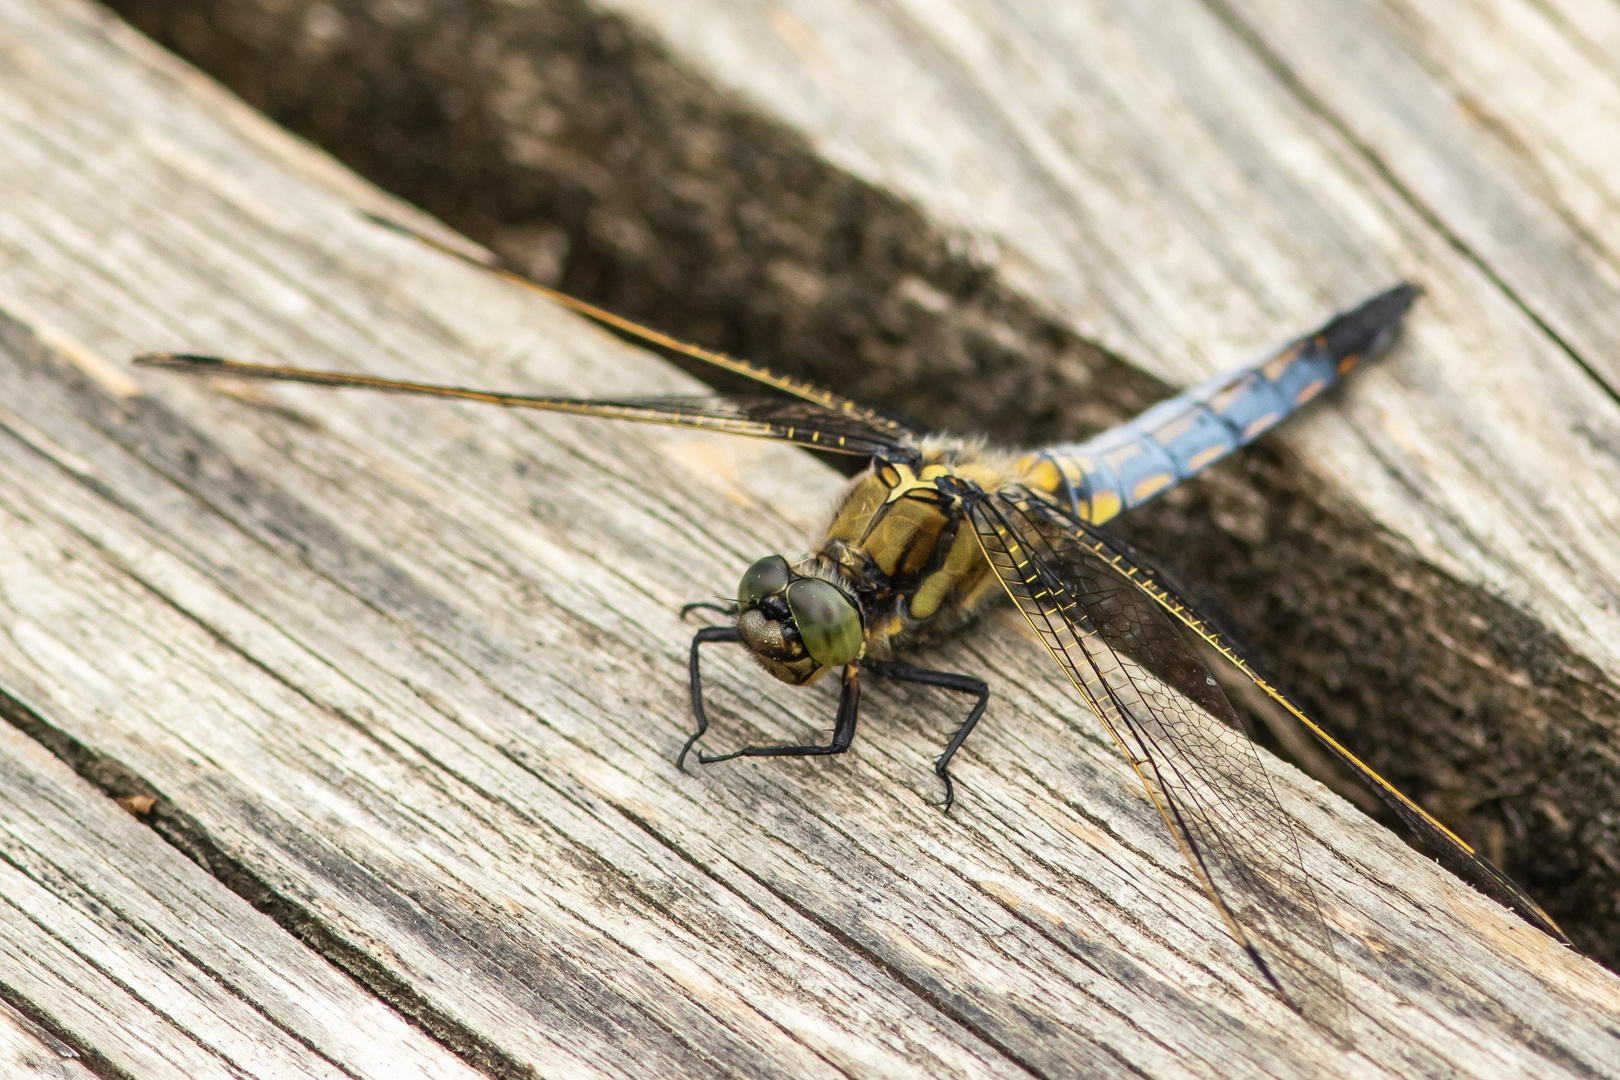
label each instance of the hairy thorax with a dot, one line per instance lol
(907, 552)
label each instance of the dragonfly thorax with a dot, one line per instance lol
(900, 542)
(899, 551)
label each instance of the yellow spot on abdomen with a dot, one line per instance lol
(1151, 486)
(1204, 457)
(1279, 363)
(1259, 425)
(1172, 431)
(1115, 458)
(1039, 472)
(1104, 505)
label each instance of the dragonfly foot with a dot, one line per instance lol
(729, 609)
(701, 638)
(849, 703)
(965, 684)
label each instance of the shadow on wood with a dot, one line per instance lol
(409, 678)
(978, 214)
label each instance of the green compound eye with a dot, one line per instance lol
(828, 625)
(769, 575)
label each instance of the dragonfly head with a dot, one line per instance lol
(795, 624)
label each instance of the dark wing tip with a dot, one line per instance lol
(182, 361)
(390, 224)
(1367, 329)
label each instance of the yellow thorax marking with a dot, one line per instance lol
(902, 479)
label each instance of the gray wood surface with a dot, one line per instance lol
(27, 1050)
(118, 942)
(1000, 215)
(409, 678)
(1140, 170)
(1500, 117)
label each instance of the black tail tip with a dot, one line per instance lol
(1369, 328)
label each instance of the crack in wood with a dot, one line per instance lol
(596, 154)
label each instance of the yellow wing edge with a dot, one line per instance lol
(1191, 620)
(1014, 549)
(798, 388)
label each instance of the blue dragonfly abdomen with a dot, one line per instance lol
(1178, 438)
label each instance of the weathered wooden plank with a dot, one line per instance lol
(120, 944)
(1497, 116)
(28, 1050)
(412, 678)
(946, 207)
(1501, 120)
(1041, 962)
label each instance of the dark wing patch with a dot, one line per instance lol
(1448, 848)
(1140, 675)
(801, 422)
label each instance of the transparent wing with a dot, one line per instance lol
(1136, 670)
(892, 426)
(1128, 569)
(804, 423)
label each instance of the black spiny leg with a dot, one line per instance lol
(703, 636)
(967, 684)
(729, 608)
(849, 704)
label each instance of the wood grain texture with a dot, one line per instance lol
(1140, 172)
(1001, 216)
(27, 1050)
(1498, 116)
(114, 940)
(410, 678)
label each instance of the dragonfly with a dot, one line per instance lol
(935, 529)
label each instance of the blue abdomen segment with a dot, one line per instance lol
(1179, 438)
